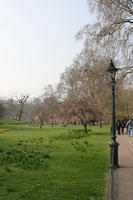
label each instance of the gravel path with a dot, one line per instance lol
(124, 174)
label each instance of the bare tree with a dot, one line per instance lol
(40, 114)
(112, 34)
(88, 83)
(10, 108)
(2, 110)
(50, 99)
(124, 103)
(21, 101)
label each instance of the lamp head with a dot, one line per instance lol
(111, 73)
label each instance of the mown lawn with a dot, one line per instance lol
(59, 163)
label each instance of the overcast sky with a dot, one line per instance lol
(37, 42)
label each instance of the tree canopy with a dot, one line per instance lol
(113, 31)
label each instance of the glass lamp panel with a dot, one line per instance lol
(108, 76)
(111, 75)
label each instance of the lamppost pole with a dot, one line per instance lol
(113, 144)
(111, 70)
(113, 112)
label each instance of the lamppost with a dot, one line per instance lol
(111, 73)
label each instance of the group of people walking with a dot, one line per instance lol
(123, 127)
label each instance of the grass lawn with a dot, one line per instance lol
(59, 163)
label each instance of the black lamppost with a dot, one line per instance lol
(111, 73)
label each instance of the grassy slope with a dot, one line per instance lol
(70, 174)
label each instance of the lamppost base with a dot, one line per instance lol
(114, 154)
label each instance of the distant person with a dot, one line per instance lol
(130, 127)
(118, 126)
(122, 126)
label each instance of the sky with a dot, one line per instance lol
(37, 42)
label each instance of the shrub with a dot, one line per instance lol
(83, 147)
(71, 134)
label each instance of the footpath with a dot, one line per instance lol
(123, 176)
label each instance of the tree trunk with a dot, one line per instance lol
(85, 127)
(52, 120)
(41, 124)
(100, 124)
(20, 115)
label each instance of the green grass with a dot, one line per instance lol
(52, 163)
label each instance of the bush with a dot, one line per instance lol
(71, 134)
(83, 147)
